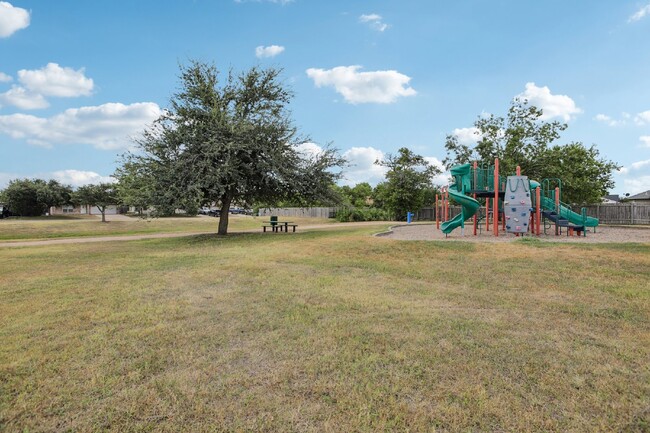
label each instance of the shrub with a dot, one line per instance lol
(362, 214)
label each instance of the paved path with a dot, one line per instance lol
(84, 240)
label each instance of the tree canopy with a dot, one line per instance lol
(34, 197)
(227, 141)
(101, 196)
(524, 139)
(408, 183)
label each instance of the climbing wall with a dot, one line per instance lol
(517, 204)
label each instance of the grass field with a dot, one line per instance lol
(70, 227)
(324, 331)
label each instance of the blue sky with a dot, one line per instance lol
(79, 79)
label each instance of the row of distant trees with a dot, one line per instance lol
(231, 140)
(35, 197)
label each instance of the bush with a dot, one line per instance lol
(362, 214)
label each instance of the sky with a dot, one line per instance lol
(80, 80)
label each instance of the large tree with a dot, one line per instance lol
(34, 197)
(521, 138)
(524, 139)
(101, 196)
(586, 178)
(408, 180)
(229, 141)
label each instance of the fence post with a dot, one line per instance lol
(632, 213)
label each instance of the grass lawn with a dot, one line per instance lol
(66, 227)
(329, 330)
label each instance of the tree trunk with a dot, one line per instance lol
(223, 218)
(103, 211)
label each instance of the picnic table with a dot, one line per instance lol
(278, 226)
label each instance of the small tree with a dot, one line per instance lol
(228, 142)
(133, 189)
(34, 197)
(101, 196)
(408, 180)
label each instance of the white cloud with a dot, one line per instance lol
(552, 105)
(108, 126)
(270, 51)
(53, 80)
(383, 87)
(23, 99)
(443, 177)
(75, 178)
(637, 185)
(640, 164)
(642, 118)
(5, 178)
(374, 21)
(645, 139)
(79, 177)
(467, 136)
(12, 19)
(309, 149)
(640, 14)
(362, 166)
(4, 78)
(607, 120)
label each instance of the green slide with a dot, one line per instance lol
(568, 214)
(461, 183)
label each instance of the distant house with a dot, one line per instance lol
(69, 209)
(642, 198)
(611, 199)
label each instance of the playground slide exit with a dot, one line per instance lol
(462, 181)
(565, 212)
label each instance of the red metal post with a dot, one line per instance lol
(495, 205)
(447, 204)
(557, 209)
(538, 209)
(474, 187)
(437, 214)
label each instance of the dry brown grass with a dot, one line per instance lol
(14, 229)
(324, 331)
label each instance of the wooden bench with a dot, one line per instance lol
(274, 228)
(286, 227)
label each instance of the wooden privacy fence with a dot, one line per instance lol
(627, 213)
(622, 213)
(304, 212)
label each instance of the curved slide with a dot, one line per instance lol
(566, 213)
(469, 205)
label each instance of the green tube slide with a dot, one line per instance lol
(469, 206)
(566, 213)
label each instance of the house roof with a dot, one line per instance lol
(612, 197)
(641, 196)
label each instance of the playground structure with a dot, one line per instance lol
(513, 203)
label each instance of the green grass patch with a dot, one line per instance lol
(15, 229)
(326, 330)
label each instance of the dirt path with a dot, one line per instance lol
(84, 240)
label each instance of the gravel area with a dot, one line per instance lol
(428, 232)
